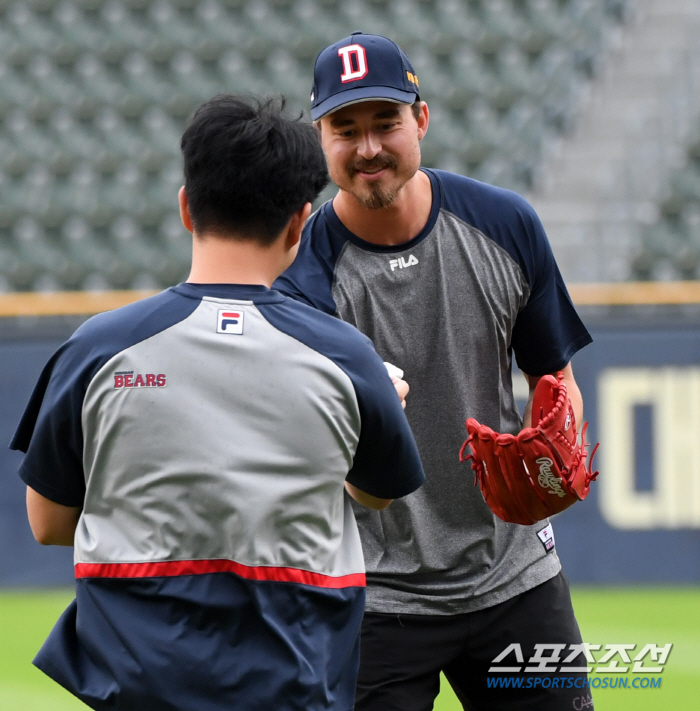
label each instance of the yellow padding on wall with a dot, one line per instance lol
(69, 303)
(66, 303)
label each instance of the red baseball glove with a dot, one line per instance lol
(538, 472)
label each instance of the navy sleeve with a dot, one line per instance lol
(310, 277)
(50, 431)
(547, 331)
(386, 462)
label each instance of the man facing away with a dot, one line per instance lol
(196, 448)
(449, 277)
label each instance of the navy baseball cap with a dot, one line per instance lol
(361, 68)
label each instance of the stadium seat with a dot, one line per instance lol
(82, 195)
(120, 136)
(166, 21)
(497, 170)
(654, 259)
(462, 27)
(123, 33)
(560, 79)
(14, 89)
(284, 74)
(546, 24)
(447, 134)
(588, 16)
(435, 82)
(365, 16)
(33, 247)
(502, 25)
(50, 81)
(266, 29)
(176, 241)
(235, 73)
(33, 31)
(142, 78)
(526, 120)
(471, 78)
(97, 82)
(485, 131)
(413, 25)
(84, 247)
(685, 182)
(162, 131)
(94, 95)
(27, 137)
(516, 79)
(213, 21)
(313, 24)
(17, 273)
(75, 30)
(191, 79)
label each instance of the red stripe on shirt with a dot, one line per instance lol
(202, 567)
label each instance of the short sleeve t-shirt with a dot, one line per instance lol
(450, 307)
(207, 434)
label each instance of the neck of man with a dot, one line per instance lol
(229, 260)
(395, 224)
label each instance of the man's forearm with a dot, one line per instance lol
(52, 524)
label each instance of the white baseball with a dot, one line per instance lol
(393, 371)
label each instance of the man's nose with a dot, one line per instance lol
(369, 146)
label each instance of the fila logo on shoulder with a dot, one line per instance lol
(402, 262)
(230, 322)
(354, 62)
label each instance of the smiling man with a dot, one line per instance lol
(449, 277)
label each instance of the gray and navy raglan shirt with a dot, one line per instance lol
(450, 307)
(207, 433)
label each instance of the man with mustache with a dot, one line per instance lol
(449, 277)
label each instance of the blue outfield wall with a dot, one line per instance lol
(24, 349)
(640, 381)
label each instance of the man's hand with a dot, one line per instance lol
(572, 391)
(396, 375)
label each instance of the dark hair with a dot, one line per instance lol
(415, 108)
(248, 167)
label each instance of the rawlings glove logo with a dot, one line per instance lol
(546, 479)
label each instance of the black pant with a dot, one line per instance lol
(401, 656)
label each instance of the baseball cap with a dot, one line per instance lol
(361, 68)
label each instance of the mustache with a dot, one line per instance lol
(377, 163)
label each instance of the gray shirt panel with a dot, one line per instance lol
(175, 473)
(443, 310)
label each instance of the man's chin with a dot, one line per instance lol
(375, 199)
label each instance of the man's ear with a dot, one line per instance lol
(296, 225)
(184, 209)
(423, 120)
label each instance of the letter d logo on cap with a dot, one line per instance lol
(347, 54)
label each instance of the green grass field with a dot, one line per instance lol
(606, 616)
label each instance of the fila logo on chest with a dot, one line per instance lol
(403, 262)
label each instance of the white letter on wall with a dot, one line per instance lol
(674, 397)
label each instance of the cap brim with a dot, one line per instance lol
(355, 96)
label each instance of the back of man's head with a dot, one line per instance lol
(248, 167)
